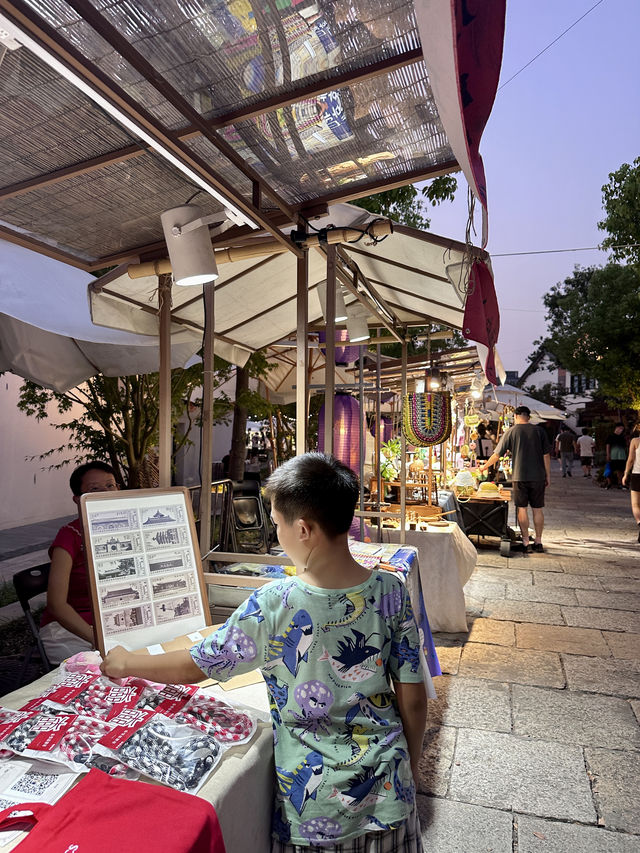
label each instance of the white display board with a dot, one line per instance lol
(144, 567)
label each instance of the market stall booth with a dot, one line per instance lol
(264, 120)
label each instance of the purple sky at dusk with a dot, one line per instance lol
(556, 132)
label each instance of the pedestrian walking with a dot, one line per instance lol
(586, 445)
(531, 453)
(631, 476)
(617, 454)
(566, 445)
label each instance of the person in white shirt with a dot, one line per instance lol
(586, 445)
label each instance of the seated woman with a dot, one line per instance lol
(67, 620)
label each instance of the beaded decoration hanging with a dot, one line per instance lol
(426, 418)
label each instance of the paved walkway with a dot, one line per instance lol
(533, 744)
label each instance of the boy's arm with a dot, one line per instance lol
(412, 704)
(168, 668)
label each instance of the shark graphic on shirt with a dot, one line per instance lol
(301, 784)
(292, 646)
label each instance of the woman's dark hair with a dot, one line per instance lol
(317, 487)
(75, 480)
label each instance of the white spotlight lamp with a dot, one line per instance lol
(189, 245)
(357, 326)
(341, 311)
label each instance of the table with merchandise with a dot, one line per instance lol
(215, 743)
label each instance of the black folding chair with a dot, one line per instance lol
(28, 583)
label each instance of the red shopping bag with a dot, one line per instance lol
(102, 814)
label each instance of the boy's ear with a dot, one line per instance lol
(76, 500)
(304, 529)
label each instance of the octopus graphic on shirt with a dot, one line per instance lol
(328, 658)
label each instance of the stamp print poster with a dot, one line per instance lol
(144, 567)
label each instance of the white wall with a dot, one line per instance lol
(29, 494)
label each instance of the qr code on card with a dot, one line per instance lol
(33, 783)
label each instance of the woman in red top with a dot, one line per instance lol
(67, 621)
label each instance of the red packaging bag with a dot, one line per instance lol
(102, 814)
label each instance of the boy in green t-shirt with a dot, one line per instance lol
(329, 642)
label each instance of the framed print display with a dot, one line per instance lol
(144, 567)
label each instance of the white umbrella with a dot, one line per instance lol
(46, 332)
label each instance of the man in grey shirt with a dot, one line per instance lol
(531, 455)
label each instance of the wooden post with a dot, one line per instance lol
(330, 349)
(165, 439)
(403, 450)
(302, 353)
(206, 446)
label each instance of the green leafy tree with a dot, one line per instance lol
(404, 204)
(119, 416)
(550, 393)
(621, 201)
(593, 319)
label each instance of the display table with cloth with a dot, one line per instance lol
(446, 560)
(243, 780)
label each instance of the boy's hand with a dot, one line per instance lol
(116, 662)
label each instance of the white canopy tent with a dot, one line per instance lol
(415, 277)
(496, 398)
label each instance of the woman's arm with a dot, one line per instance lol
(633, 448)
(412, 704)
(57, 594)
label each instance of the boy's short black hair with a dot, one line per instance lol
(75, 480)
(523, 410)
(585, 431)
(317, 487)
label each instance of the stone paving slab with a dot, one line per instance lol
(473, 606)
(472, 703)
(570, 717)
(481, 589)
(569, 580)
(558, 638)
(541, 593)
(492, 631)
(449, 657)
(500, 663)
(537, 777)
(523, 611)
(450, 827)
(611, 600)
(595, 617)
(625, 646)
(502, 576)
(594, 675)
(545, 836)
(622, 585)
(616, 787)
(635, 704)
(601, 568)
(434, 768)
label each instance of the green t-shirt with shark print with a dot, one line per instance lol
(328, 658)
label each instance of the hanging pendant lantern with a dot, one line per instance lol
(343, 355)
(346, 430)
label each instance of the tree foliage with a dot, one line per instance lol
(404, 204)
(593, 319)
(621, 201)
(119, 416)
